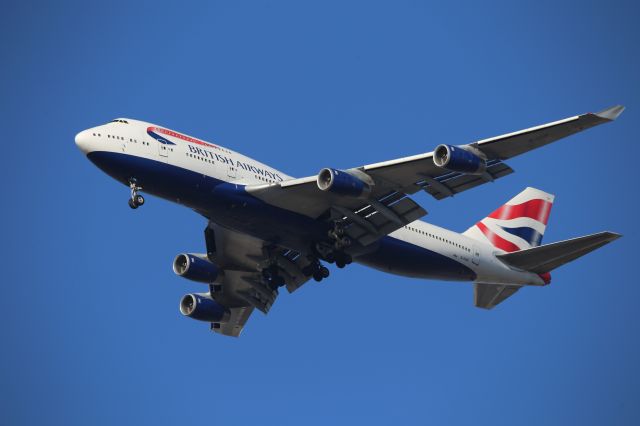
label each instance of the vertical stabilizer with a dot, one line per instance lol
(517, 225)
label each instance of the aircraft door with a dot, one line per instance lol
(146, 144)
(476, 255)
(163, 150)
(231, 171)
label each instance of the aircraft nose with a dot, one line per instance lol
(82, 141)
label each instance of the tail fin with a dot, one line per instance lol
(517, 225)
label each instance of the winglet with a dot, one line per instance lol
(611, 113)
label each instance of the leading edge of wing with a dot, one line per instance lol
(608, 114)
(531, 138)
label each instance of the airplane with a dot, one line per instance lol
(267, 230)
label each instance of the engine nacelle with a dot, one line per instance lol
(195, 268)
(202, 307)
(458, 159)
(342, 183)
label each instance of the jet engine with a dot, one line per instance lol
(458, 159)
(201, 307)
(343, 183)
(195, 268)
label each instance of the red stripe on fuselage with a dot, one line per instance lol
(496, 239)
(180, 136)
(535, 209)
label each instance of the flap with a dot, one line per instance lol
(242, 287)
(235, 325)
(379, 219)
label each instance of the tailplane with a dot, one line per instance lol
(548, 257)
(539, 260)
(517, 229)
(517, 225)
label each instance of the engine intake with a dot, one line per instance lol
(342, 183)
(195, 268)
(458, 159)
(202, 307)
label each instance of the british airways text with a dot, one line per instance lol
(226, 160)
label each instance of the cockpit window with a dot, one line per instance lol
(118, 120)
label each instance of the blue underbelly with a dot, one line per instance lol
(402, 258)
(225, 203)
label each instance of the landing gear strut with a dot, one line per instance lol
(333, 251)
(340, 241)
(136, 199)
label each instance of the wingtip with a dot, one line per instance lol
(610, 236)
(611, 113)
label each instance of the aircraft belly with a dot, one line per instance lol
(225, 203)
(402, 258)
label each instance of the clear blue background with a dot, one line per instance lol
(91, 332)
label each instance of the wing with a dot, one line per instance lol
(244, 286)
(387, 206)
(412, 174)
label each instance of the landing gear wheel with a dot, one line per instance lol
(317, 276)
(343, 259)
(136, 200)
(324, 272)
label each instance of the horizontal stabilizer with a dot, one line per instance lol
(488, 296)
(550, 256)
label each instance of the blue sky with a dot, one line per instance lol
(91, 330)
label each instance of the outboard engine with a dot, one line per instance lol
(202, 307)
(195, 268)
(343, 183)
(458, 159)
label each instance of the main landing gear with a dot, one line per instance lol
(316, 270)
(136, 199)
(321, 273)
(333, 251)
(343, 259)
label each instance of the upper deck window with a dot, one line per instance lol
(119, 120)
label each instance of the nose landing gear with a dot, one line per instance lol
(136, 199)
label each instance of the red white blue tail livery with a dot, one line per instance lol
(517, 225)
